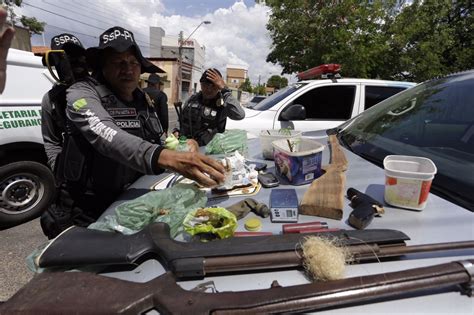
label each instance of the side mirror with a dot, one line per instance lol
(293, 112)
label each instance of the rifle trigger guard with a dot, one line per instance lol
(468, 287)
(203, 287)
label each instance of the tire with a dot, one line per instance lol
(26, 190)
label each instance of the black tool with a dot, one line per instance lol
(365, 208)
(268, 180)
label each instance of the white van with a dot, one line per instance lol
(26, 183)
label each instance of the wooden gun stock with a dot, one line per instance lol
(83, 247)
(86, 293)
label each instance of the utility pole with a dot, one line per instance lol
(181, 42)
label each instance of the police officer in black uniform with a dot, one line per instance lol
(160, 100)
(113, 136)
(70, 66)
(205, 113)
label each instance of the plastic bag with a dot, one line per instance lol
(215, 221)
(227, 142)
(169, 205)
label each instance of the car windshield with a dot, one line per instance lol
(273, 99)
(433, 120)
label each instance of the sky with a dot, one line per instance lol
(237, 33)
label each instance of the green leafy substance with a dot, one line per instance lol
(169, 205)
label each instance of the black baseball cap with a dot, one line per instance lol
(66, 42)
(120, 40)
(204, 76)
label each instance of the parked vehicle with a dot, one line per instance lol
(26, 183)
(433, 120)
(255, 100)
(316, 104)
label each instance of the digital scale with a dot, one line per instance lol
(284, 205)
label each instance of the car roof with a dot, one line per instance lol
(355, 80)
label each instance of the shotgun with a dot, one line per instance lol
(87, 293)
(84, 247)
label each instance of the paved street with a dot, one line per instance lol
(16, 244)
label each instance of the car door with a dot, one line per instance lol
(327, 106)
(373, 94)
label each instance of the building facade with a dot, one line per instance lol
(236, 75)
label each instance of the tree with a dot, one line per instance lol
(307, 33)
(432, 38)
(277, 82)
(260, 90)
(246, 86)
(387, 39)
(35, 26)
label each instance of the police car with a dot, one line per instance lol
(316, 104)
(26, 183)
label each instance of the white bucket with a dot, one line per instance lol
(301, 163)
(268, 136)
(408, 180)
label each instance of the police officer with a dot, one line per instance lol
(205, 113)
(70, 67)
(159, 98)
(112, 136)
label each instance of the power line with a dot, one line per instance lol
(109, 18)
(81, 22)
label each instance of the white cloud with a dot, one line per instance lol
(237, 34)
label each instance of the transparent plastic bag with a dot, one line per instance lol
(169, 205)
(227, 142)
(216, 221)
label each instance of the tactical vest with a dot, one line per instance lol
(197, 117)
(85, 169)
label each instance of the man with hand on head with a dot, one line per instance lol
(113, 136)
(205, 113)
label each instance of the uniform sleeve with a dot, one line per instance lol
(233, 109)
(86, 112)
(52, 144)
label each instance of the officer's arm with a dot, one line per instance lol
(52, 144)
(86, 112)
(233, 109)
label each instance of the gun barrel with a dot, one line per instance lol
(85, 293)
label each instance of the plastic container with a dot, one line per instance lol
(268, 136)
(408, 180)
(300, 164)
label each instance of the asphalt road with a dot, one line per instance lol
(19, 242)
(16, 244)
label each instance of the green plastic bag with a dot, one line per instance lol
(227, 142)
(169, 205)
(216, 221)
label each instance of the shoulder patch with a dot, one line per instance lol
(80, 103)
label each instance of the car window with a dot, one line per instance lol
(433, 120)
(376, 94)
(328, 102)
(273, 99)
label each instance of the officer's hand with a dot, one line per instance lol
(192, 145)
(215, 78)
(193, 165)
(5, 41)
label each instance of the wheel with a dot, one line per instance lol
(26, 190)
